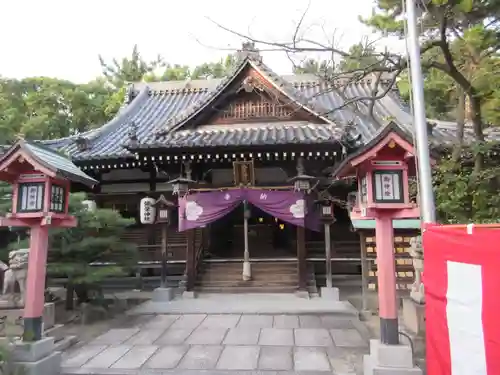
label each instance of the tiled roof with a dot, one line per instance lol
(51, 160)
(250, 135)
(163, 106)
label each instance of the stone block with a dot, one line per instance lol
(391, 355)
(163, 294)
(414, 316)
(201, 357)
(242, 336)
(276, 336)
(11, 320)
(276, 358)
(370, 368)
(389, 360)
(311, 359)
(50, 365)
(188, 294)
(239, 358)
(32, 351)
(332, 294)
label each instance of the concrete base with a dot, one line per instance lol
(414, 316)
(247, 271)
(36, 358)
(163, 294)
(332, 294)
(302, 294)
(389, 360)
(188, 294)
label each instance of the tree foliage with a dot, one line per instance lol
(91, 251)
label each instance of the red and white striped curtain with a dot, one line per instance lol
(462, 290)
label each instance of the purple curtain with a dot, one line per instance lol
(199, 209)
(313, 218)
(286, 205)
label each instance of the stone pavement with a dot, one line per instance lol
(227, 344)
(248, 303)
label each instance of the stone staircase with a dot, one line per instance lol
(267, 277)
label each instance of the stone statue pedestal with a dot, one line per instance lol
(11, 318)
(35, 358)
(414, 316)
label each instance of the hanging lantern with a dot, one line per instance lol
(180, 186)
(148, 210)
(163, 209)
(89, 205)
(32, 189)
(302, 182)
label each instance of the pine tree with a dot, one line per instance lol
(90, 252)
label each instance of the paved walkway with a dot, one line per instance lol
(273, 303)
(214, 344)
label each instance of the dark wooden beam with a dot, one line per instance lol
(301, 258)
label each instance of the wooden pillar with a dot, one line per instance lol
(190, 260)
(364, 272)
(301, 258)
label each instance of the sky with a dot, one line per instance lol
(63, 38)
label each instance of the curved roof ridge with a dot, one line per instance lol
(104, 129)
(279, 83)
(195, 108)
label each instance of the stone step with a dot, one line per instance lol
(246, 289)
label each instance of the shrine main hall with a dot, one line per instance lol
(257, 134)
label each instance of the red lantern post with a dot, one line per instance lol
(382, 168)
(41, 184)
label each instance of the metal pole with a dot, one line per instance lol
(328, 256)
(164, 230)
(247, 273)
(427, 207)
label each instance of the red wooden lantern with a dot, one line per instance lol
(41, 180)
(382, 167)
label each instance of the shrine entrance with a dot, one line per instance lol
(268, 237)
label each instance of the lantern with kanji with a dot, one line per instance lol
(326, 210)
(148, 210)
(163, 209)
(382, 168)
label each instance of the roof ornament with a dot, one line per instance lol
(82, 144)
(248, 50)
(132, 134)
(129, 94)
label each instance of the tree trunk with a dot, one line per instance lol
(457, 150)
(82, 293)
(70, 296)
(477, 126)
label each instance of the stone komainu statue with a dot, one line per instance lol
(15, 274)
(417, 253)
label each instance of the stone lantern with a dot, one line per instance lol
(180, 185)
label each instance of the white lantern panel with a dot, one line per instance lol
(57, 198)
(327, 210)
(148, 210)
(363, 190)
(30, 197)
(388, 186)
(90, 205)
(163, 213)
